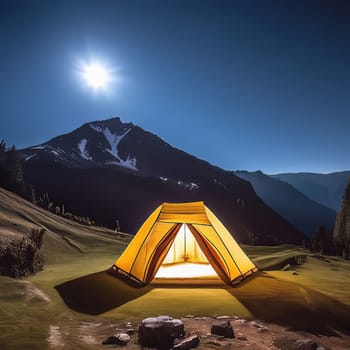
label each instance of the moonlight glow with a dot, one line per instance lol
(96, 76)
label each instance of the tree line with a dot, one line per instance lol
(12, 179)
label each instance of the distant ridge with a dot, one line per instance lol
(326, 189)
(294, 206)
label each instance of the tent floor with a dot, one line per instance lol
(190, 282)
(187, 273)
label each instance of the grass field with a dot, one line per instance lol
(33, 314)
(74, 303)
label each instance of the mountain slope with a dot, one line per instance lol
(111, 170)
(326, 189)
(62, 236)
(302, 212)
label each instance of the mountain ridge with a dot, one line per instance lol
(326, 189)
(110, 186)
(293, 205)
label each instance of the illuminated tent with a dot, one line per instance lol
(182, 241)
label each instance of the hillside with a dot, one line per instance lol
(62, 237)
(326, 189)
(111, 170)
(294, 206)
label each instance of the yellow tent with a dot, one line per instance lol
(183, 240)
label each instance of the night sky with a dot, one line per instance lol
(243, 84)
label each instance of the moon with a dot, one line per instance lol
(96, 75)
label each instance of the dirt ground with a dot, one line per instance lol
(252, 335)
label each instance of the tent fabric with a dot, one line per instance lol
(159, 234)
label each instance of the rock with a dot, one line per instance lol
(263, 330)
(285, 268)
(213, 342)
(257, 325)
(190, 316)
(241, 338)
(160, 332)
(223, 317)
(295, 273)
(187, 343)
(241, 321)
(118, 339)
(224, 329)
(305, 344)
(130, 331)
(320, 348)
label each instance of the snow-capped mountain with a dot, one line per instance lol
(110, 170)
(93, 144)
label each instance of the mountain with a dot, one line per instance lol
(326, 189)
(294, 206)
(110, 170)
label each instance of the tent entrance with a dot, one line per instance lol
(185, 258)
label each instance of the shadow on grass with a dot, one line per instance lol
(292, 305)
(266, 297)
(99, 292)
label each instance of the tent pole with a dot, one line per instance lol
(184, 225)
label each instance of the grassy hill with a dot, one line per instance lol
(62, 237)
(313, 296)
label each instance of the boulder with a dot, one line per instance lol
(187, 343)
(118, 339)
(160, 332)
(223, 329)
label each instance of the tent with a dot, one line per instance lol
(183, 241)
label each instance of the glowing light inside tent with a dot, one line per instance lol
(185, 258)
(186, 270)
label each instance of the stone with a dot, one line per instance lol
(263, 330)
(257, 325)
(241, 321)
(223, 317)
(188, 343)
(213, 342)
(286, 267)
(160, 332)
(305, 344)
(241, 338)
(130, 331)
(118, 339)
(223, 329)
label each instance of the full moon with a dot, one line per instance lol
(96, 76)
